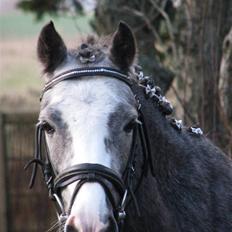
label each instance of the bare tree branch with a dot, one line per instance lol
(186, 112)
(146, 20)
(169, 26)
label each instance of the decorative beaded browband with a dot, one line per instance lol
(86, 72)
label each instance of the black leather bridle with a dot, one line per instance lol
(89, 172)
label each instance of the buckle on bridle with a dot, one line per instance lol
(121, 210)
(60, 205)
(90, 176)
(62, 217)
(121, 215)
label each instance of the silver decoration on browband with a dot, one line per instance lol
(122, 213)
(150, 91)
(153, 91)
(140, 76)
(177, 124)
(76, 72)
(85, 60)
(164, 99)
(196, 130)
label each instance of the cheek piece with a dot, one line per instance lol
(123, 184)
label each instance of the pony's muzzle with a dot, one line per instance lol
(91, 210)
(73, 226)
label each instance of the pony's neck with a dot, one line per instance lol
(162, 141)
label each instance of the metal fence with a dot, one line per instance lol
(21, 209)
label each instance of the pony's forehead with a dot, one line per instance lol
(93, 91)
(94, 42)
(73, 61)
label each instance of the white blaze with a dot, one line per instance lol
(86, 110)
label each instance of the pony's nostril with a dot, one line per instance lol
(70, 229)
(70, 225)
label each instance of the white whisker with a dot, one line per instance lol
(54, 226)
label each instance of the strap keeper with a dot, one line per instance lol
(91, 176)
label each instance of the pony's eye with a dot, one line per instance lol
(130, 126)
(48, 128)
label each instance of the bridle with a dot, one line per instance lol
(88, 172)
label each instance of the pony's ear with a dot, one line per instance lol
(51, 49)
(123, 48)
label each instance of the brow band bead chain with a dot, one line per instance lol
(77, 73)
(85, 60)
(196, 130)
(176, 124)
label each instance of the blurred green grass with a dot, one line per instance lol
(20, 72)
(17, 24)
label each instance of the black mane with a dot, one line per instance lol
(191, 185)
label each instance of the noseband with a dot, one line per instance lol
(88, 172)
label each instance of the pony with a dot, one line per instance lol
(177, 180)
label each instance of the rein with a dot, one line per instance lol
(88, 172)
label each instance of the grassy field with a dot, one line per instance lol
(20, 72)
(19, 25)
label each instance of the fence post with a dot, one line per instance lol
(3, 197)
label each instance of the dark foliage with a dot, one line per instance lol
(146, 21)
(41, 7)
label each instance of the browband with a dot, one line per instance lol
(85, 72)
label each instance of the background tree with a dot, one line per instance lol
(42, 7)
(206, 66)
(147, 21)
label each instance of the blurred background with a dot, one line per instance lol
(185, 45)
